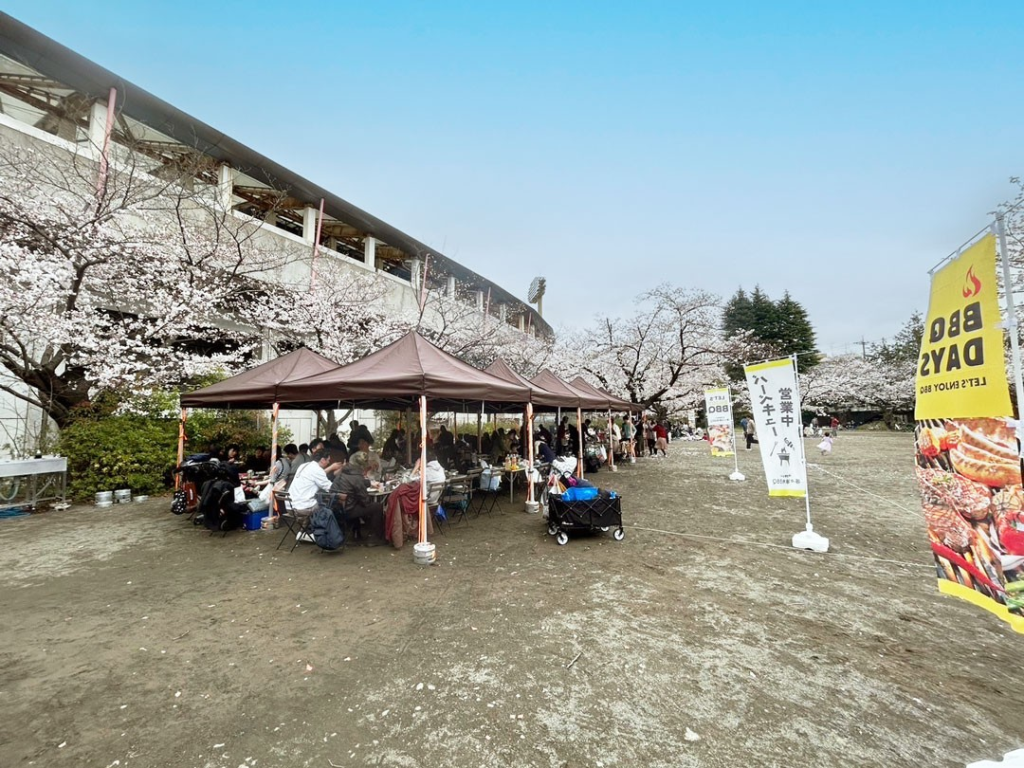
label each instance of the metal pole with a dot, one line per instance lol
(611, 443)
(529, 459)
(800, 441)
(579, 440)
(732, 428)
(423, 469)
(1011, 325)
(101, 178)
(273, 433)
(181, 447)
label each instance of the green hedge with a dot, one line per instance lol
(110, 452)
(107, 450)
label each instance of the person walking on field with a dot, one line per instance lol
(651, 439)
(627, 438)
(661, 438)
(748, 432)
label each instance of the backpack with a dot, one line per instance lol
(325, 529)
(178, 503)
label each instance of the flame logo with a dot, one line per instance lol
(972, 285)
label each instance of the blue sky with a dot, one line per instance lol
(837, 151)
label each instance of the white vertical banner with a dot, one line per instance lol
(718, 403)
(775, 403)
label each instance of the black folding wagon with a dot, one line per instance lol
(600, 514)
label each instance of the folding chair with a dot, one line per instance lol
(434, 493)
(488, 496)
(457, 496)
(296, 523)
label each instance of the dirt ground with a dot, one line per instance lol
(130, 638)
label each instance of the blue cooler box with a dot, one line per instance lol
(254, 520)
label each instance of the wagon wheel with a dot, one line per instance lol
(562, 538)
(605, 528)
(552, 529)
(619, 534)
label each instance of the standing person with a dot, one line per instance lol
(661, 438)
(627, 438)
(651, 439)
(835, 428)
(748, 432)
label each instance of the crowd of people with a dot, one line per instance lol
(347, 473)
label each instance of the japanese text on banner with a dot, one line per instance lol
(720, 425)
(776, 407)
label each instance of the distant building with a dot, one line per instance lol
(53, 95)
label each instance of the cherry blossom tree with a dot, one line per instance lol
(665, 353)
(133, 286)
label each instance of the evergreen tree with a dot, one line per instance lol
(795, 332)
(764, 328)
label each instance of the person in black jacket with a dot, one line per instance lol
(354, 500)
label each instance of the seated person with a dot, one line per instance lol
(435, 472)
(217, 505)
(310, 479)
(276, 480)
(544, 453)
(354, 503)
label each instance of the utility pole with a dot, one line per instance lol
(863, 349)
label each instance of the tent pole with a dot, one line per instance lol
(579, 440)
(423, 469)
(611, 443)
(529, 449)
(273, 434)
(480, 431)
(181, 447)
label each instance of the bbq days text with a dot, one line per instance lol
(950, 351)
(960, 370)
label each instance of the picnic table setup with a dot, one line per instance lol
(413, 373)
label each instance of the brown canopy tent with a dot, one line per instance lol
(539, 398)
(408, 372)
(614, 403)
(256, 388)
(549, 381)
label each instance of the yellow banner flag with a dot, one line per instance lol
(961, 371)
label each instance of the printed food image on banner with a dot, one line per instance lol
(775, 402)
(720, 427)
(968, 466)
(970, 481)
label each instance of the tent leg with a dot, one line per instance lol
(423, 551)
(611, 443)
(181, 447)
(579, 440)
(531, 505)
(273, 433)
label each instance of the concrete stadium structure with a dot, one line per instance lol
(54, 96)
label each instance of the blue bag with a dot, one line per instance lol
(579, 493)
